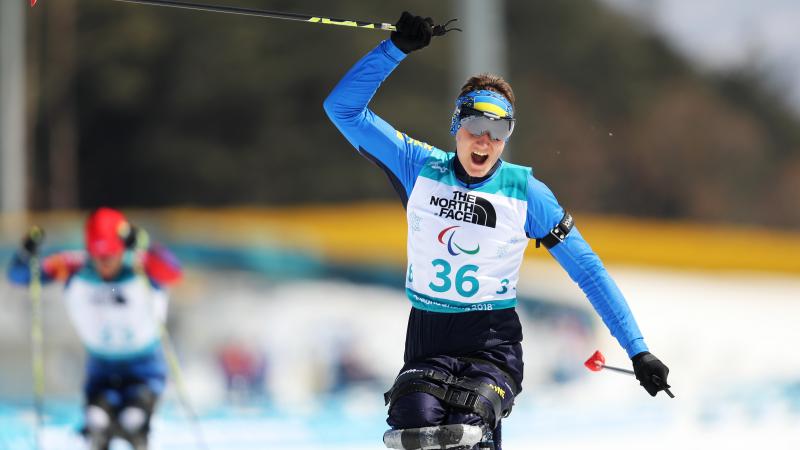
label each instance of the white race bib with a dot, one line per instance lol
(465, 246)
(116, 319)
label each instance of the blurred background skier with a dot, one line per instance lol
(470, 216)
(115, 297)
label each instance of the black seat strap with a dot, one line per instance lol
(457, 392)
(510, 381)
(499, 395)
(454, 396)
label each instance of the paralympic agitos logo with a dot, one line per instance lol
(466, 208)
(452, 246)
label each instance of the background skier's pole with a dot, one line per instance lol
(37, 346)
(176, 374)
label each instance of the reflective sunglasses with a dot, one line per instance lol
(499, 128)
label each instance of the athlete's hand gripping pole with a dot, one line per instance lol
(415, 32)
(652, 373)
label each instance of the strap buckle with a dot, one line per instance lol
(441, 377)
(558, 233)
(461, 398)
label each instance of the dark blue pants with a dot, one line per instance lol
(417, 410)
(115, 384)
(118, 380)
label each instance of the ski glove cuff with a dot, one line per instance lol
(651, 372)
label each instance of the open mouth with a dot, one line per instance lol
(479, 158)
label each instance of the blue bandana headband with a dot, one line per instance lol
(482, 100)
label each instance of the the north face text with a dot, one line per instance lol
(466, 208)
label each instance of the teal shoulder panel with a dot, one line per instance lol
(439, 167)
(510, 180)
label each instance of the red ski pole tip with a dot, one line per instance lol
(33, 3)
(595, 362)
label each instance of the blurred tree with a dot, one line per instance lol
(55, 165)
(621, 124)
(191, 108)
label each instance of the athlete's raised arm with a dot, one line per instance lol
(400, 156)
(55, 267)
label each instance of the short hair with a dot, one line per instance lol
(490, 82)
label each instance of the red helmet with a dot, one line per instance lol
(106, 230)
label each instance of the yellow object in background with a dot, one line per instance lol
(375, 233)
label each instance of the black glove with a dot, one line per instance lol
(413, 32)
(651, 372)
(130, 239)
(137, 239)
(33, 240)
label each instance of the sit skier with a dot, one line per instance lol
(470, 215)
(117, 309)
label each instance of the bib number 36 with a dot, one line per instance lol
(465, 284)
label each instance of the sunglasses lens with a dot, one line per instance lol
(498, 129)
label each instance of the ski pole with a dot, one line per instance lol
(173, 363)
(37, 336)
(180, 386)
(438, 30)
(597, 362)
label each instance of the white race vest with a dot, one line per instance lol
(116, 319)
(465, 246)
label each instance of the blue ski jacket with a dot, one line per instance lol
(431, 333)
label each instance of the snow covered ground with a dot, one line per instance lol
(728, 339)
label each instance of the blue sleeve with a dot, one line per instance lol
(584, 267)
(19, 271)
(400, 156)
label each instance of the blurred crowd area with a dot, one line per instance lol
(275, 311)
(251, 340)
(280, 356)
(288, 306)
(267, 323)
(288, 319)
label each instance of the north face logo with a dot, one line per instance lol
(466, 208)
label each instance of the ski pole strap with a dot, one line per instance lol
(558, 233)
(453, 391)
